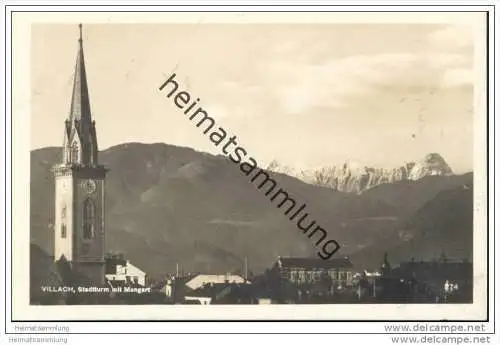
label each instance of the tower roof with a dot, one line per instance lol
(80, 103)
(80, 139)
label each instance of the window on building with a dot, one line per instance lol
(63, 230)
(89, 219)
(63, 212)
(74, 153)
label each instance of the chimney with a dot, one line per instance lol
(246, 269)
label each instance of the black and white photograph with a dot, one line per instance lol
(330, 164)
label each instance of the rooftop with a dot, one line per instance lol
(312, 263)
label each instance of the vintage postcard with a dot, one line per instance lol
(250, 166)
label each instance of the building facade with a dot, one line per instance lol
(79, 223)
(124, 272)
(301, 271)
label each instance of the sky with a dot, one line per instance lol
(306, 95)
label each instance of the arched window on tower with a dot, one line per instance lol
(67, 155)
(74, 153)
(63, 231)
(89, 219)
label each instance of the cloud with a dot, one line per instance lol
(297, 80)
(336, 82)
(452, 38)
(443, 62)
(216, 111)
(457, 77)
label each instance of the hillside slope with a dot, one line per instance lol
(168, 204)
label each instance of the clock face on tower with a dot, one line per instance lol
(90, 186)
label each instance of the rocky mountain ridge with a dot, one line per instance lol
(354, 178)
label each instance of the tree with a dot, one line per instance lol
(273, 165)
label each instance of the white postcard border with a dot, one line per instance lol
(20, 204)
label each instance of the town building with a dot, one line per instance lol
(198, 298)
(448, 280)
(173, 288)
(79, 222)
(200, 280)
(120, 271)
(436, 281)
(300, 271)
(222, 293)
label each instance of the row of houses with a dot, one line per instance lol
(308, 280)
(232, 288)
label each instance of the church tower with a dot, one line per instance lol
(79, 227)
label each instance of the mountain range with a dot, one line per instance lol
(353, 177)
(167, 204)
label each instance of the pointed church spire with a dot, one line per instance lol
(80, 103)
(80, 141)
